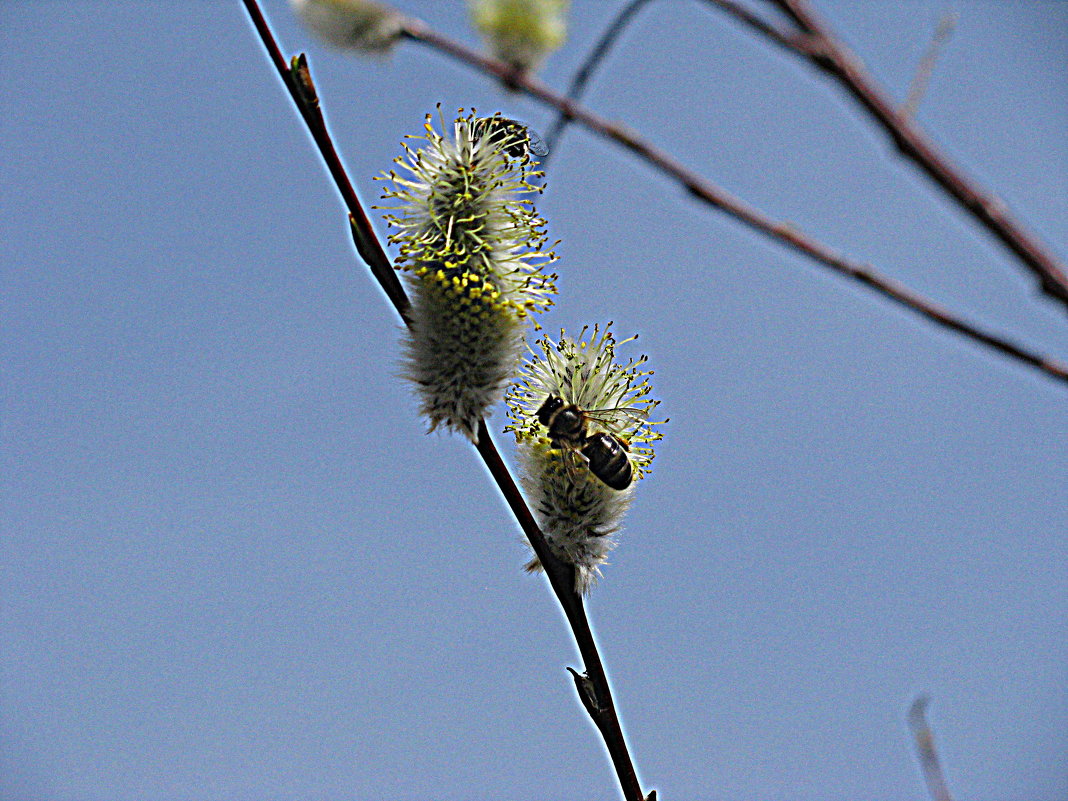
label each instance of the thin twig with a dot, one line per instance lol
(792, 40)
(615, 29)
(298, 81)
(561, 576)
(829, 54)
(918, 87)
(562, 579)
(785, 233)
(585, 72)
(925, 749)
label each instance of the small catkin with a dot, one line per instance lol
(521, 32)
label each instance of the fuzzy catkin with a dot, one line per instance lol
(472, 249)
(578, 512)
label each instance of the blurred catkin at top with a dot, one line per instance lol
(521, 32)
(361, 25)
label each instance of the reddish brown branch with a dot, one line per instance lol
(724, 201)
(297, 79)
(824, 50)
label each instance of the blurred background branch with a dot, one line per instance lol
(925, 69)
(593, 60)
(783, 232)
(823, 49)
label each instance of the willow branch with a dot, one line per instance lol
(821, 47)
(782, 232)
(297, 79)
(562, 578)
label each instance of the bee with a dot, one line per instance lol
(513, 137)
(608, 459)
(606, 454)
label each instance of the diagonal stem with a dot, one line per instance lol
(297, 79)
(713, 195)
(562, 579)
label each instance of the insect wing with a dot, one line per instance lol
(610, 417)
(536, 145)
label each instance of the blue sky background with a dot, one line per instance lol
(234, 566)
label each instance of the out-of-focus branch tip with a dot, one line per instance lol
(593, 60)
(918, 712)
(925, 749)
(925, 69)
